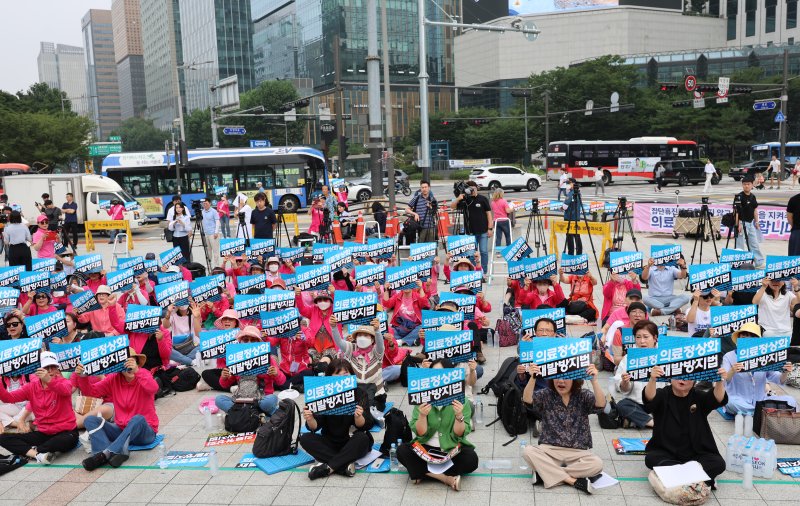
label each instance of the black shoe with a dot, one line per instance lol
(349, 471)
(583, 485)
(95, 461)
(117, 459)
(320, 470)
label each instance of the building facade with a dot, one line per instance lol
(101, 72)
(761, 22)
(128, 54)
(162, 53)
(64, 67)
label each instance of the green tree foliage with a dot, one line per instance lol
(140, 135)
(271, 95)
(198, 128)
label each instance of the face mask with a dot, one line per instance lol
(324, 304)
(273, 268)
(363, 342)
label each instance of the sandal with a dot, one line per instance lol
(456, 484)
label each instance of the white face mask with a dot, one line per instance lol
(324, 304)
(273, 268)
(363, 342)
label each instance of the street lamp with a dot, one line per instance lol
(524, 94)
(184, 66)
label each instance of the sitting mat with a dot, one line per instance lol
(724, 414)
(274, 465)
(385, 464)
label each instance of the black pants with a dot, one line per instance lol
(70, 229)
(19, 444)
(183, 244)
(794, 242)
(212, 377)
(295, 381)
(582, 309)
(713, 463)
(19, 254)
(464, 463)
(574, 244)
(338, 455)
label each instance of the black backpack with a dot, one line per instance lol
(277, 436)
(506, 373)
(511, 411)
(177, 380)
(11, 462)
(397, 427)
(242, 417)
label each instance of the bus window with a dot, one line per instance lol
(138, 184)
(652, 150)
(249, 177)
(288, 176)
(195, 182)
(166, 183)
(217, 178)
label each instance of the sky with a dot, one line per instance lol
(26, 23)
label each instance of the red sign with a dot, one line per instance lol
(690, 83)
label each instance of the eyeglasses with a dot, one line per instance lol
(40, 297)
(13, 324)
(44, 221)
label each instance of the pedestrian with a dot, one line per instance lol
(477, 216)
(748, 237)
(243, 211)
(563, 180)
(710, 171)
(70, 230)
(423, 209)
(660, 176)
(211, 229)
(572, 215)
(17, 237)
(53, 214)
(501, 210)
(775, 170)
(263, 218)
(793, 217)
(117, 213)
(224, 210)
(599, 182)
(181, 225)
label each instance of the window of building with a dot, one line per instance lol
(791, 14)
(771, 6)
(750, 7)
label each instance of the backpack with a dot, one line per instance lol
(197, 270)
(397, 427)
(408, 361)
(276, 437)
(506, 335)
(506, 373)
(242, 417)
(177, 380)
(511, 411)
(11, 462)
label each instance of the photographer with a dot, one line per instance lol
(262, 218)
(572, 213)
(243, 212)
(211, 228)
(70, 208)
(53, 214)
(423, 209)
(748, 236)
(477, 217)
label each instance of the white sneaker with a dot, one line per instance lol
(45, 458)
(85, 442)
(202, 386)
(234, 389)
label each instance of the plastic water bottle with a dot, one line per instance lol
(478, 410)
(208, 419)
(213, 463)
(771, 452)
(747, 468)
(729, 453)
(220, 421)
(394, 464)
(523, 464)
(748, 425)
(738, 424)
(758, 459)
(162, 457)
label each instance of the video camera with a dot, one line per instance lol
(197, 207)
(462, 188)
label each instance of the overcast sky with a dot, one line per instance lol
(26, 23)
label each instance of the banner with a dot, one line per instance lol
(707, 277)
(228, 438)
(531, 316)
(251, 306)
(279, 299)
(541, 268)
(453, 344)
(381, 248)
(517, 270)
(175, 458)
(320, 248)
(558, 357)
(292, 254)
(260, 248)
(666, 254)
(467, 280)
(58, 281)
(142, 319)
(762, 353)
(121, 280)
(358, 251)
(88, 263)
(623, 262)
(461, 246)
(37, 281)
(47, 326)
(404, 277)
(231, 246)
(9, 276)
(312, 277)
(338, 260)
(104, 355)
(356, 308)
(689, 358)
(725, 320)
(135, 263)
(433, 320)
(466, 303)
(19, 357)
(783, 268)
(371, 273)
(736, 257)
(163, 278)
(43, 264)
(69, 355)
(747, 281)
(171, 257)
(517, 250)
(84, 302)
(438, 387)
(207, 288)
(330, 395)
(246, 283)
(575, 264)
(176, 293)
(214, 342)
(247, 359)
(285, 323)
(421, 251)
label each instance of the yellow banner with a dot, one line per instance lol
(151, 205)
(595, 227)
(122, 225)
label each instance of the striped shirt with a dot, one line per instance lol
(368, 367)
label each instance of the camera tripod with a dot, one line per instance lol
(704, 226)
(282, 221)
(535, 222)
(198, 226)
(622, 222)
(578, 201)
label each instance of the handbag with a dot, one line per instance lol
(758, 412)
(691, 494)
(168, 235)
(782, 425)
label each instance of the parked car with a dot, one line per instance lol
(358, 192)
(366, 179)
(757, 166)
(684, 172)
(506, 177)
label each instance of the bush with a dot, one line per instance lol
(724, 166)
(460, 174)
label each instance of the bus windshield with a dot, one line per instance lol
(767, 150)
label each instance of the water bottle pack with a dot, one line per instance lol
(745, 454)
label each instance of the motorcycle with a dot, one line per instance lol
(399, 187)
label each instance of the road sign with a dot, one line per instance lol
(765, 105)
(699, 103)
(723, 85)
(234, 131)
(260, 143)
(690, 83)
(115, 138)
(722, 100)
(780, 118)
(104, 148)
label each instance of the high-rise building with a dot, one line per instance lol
(161, 44)
(126, 20)
(217, 43)
(101, 72)
(63, 67)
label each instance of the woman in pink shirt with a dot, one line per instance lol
(38, 303)
(116, 212)
(135, 420)
(500, 209)
(110, 318)
(224, 210)
(44, 240)
(316, 217)
(407, 316)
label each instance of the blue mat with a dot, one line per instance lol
(135, 448)
(274, 465)
(724, 414)
(375, 428)
(379, 465)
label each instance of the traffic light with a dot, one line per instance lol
(683, 103)
(446, 122)
(480, 121)
(668, 86)
(183, 153)
(343, 142)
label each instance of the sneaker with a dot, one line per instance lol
(583, 485)
(656, 312)
(117, 459)
(351, 470)
(320, 470)
(95, 461)
(45, 458)
(479, 358)
(85, 442)
(202, 386)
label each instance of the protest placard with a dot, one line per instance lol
(320, 248)
(47, 326)
(517, 250)
(214, 342)
(762, 353)
(370, 273)
(260, 248)
(171, 257)
(517, 270)
(104, 355)
(381, 248)
(330, 395)
(251, 306)
(84, 302)
(58, 281)
(135, 263)
(120, 281)
(279, 299)
(162, 278)
(403, 277)
(707, 277)
(461, 246)
(736, 257)
(531, 316)
(623, 262)
(219, 191)
(421, 251)
(689, 358)
(455, 345)
(666, 254)
(284, 323)
(438, 387)
(357, 250)
(558, 357)
(43, 264)
(9, 276)
(575, 264)
(747, 281)
(176, 293)
(541, 267)
(151, 266)
(229, 438)
(251, 282)
(725, 320)
(19, 357)
(467, 280)
(231, 246)
(356, 308)
(247, 359)
(338, 259)
(68, 355)
(783, 268)
(628, 339)
(312, 277)
(36, 281)
(176, 458)
(207, 288)
(88, 263)
(433, 320)
(466, 303)
(789, 467)
(142, 319)
(292, 254)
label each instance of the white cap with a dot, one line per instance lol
(48, 358)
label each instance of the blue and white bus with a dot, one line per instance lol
(766, 150)
(288, 174)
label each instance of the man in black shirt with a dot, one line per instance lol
(262, 218)
(749, 232)
(793, 217)
(477, 218)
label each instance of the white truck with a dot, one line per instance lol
(93, 194)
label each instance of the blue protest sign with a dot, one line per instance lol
(59, 248)
(320, 248)
(783, 268)
(747, 281)
(330, 395)
(707, 277)
(19, 357)
(575, 264)
(725, 320)
(356, 308)
(250, 306)
(219, 191)
(628, 339)
(312, 277)
(246, 283)
(151, 266)
(541, 267)
(455, 345)
(163, 278)
(424, 269)
(279, 299)
(292, 254)
(88, 263)
(104, 355)
(176, 293)
(623, 262)
(517, 250)
(370, 273)
(284, 323)
(58, 281)
(789, 467)
(120, 281)
(47, 326)
(438, 387)
(531, 316)
(380, 248)
(247, 359)
(382, 319)
(517, 270)
(37, 281)
(214, 342)
(467, 280)
(689, 358)
(170, 257)
(466, 303)
(762, 353)
(69, 355)
(9, 297)
(9, 276)
(404, 277)
(461, 246)
(666, 254)
(421, 251)
(135, 263)
(558, 357)
(231, 246)
(207, 288)
(261, 248)
(358, 251)
(84, 302)
(142, 319)
(43, 264)
(639, 361)
(736, 257)
(338, 259)
(433, 320)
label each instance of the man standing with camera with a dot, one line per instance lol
(211, 229)
(748, 237)
(70, 209)
(423, 209)
(262, 218)
(477, 217)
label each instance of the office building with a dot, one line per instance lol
(101, 72)
(126, 21)
(761, 22)
(161, 48)
(216, 37)
(63, 67)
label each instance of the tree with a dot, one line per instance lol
(272, 95)
(42, 98)
(198, 128)
(37, 137)
(140, 135)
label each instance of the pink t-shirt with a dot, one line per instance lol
(48, 249)
(223, 208)
(499, 207)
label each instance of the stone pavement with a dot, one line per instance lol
(140, 481)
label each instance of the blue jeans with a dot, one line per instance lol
(503, 229)
(564, 191)
(391, 373)
(634, 412)
(225, 225)
(411, 336)
(753, 238)
(182, 359)
(115, 439)
(667, 304)
(267, 405)
(483, 247)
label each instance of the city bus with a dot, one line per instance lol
(766, 150)
(11, 169)
(631, 160)
(289, 176)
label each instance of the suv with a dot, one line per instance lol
(684, 172)
(366, 179)
(758, 166)
(506, 177)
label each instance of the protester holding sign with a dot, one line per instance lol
(614, 292)
(209, 378)
(629, 404)
(455, 264)
(185, 323)
(547, 293)
(581, 296)
(660, 280)
(318, 333)
(775, 306)
(38, 303)
(699, 315)
(110, 318)
(407, 315)
(637, 312)
(49, 396)
(13, 326)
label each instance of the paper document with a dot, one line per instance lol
(367, 459)
(604, 481)
(684, 474)
(440, 468)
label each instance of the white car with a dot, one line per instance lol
(358, 192)
(506, 177)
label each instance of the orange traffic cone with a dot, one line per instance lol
(390, 230)
(395, 219)
(337, 232)
(444, 223)
(360, 235)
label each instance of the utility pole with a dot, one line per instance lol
(425, 141)
(783, 125)
(374, 95)
(387, 104)
(337, 70)
(546, 96)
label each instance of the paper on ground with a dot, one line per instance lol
(367, 459)
(604, 481)
(440, 468)
(683, 474)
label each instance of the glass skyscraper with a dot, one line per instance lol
(161, 46)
